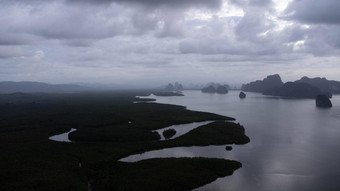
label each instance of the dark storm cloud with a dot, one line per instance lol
(12, 52)
(8, 38)
(117, 36)
(323, 40)
(251, 25)
(212, 4)
(79, 42)
(80, 25)
(144, 22)
(314, 11)
(223, 47)
(323, 35)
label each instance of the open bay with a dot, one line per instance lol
(294, 145)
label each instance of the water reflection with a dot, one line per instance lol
(294, 145)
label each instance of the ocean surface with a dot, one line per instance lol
(294, 145)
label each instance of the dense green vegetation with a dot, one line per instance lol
(215, 133)
(109, 127)
(228, 148)
(144, 117)
(175, 174)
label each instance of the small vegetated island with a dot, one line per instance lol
(242, 95)
(323, 101)
(169, 133)
(170, 90)
(216, 88)
(109, 127)
(215, 133)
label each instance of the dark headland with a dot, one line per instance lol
(294, 89)
(324, 85)
(271, 81)
(303, 88)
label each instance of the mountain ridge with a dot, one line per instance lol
(7, 87)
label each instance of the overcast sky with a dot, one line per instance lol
(160, 41)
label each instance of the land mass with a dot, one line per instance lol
(34, 87)
(324, 85)
(216, 88)
(303, 88)
(323, 101)
(162, 174)
(294, 89)
(109, 127)
(215, 133)
(271, 81)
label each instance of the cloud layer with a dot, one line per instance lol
(211, 4)
(149, 40)
(314, 11)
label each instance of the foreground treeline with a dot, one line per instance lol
(109, 126)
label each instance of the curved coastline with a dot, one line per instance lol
(99, 120)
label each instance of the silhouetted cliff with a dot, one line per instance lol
(327, 86)
(215, 88)
(294, 89)
(221, 90)
(176, 87)
(271, 81)
(209, 89)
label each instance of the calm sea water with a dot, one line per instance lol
(294, 145)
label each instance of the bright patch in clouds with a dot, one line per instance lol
(281, 5)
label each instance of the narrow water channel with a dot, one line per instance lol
(181, 129)
(62, 137)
